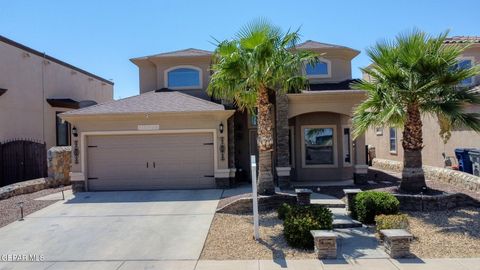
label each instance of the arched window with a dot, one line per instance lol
(319, 70)
(183, 77)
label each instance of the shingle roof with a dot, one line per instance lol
(463, 39)
(151, 102)
(190, 52)
(311, 44)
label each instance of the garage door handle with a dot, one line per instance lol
(147, 164)
(154, 164)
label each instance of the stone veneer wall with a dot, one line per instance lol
(282, 138)
(456, 178)
(59, 161)
(435, 203)
(244, 205)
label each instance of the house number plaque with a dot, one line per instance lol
(148, 127)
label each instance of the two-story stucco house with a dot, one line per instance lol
(35, 88)
(173, 135)
(387, 140)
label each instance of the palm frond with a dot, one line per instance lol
(415, 68)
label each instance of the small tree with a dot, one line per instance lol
(258, 62)
(413, 75)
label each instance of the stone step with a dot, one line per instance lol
(329, 203)
(344, 224)
(342, 220)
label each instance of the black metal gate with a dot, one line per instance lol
(22, 160)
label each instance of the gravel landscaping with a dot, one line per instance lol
(442, 234)
(439, 234)
(231, 238)
(10, 211)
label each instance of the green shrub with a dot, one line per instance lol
(284, 210)
(301, 220)
(386, 222)
(369, 204)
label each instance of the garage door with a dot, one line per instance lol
(139, 162)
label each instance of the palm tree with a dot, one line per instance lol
(250, 68)
(416, 74)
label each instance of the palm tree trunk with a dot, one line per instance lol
(413, 177)
(265, 143)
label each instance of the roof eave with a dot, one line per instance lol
(72, 116)
(329, 92)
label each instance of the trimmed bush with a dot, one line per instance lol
(386, 222)
(369, 204)
(300, 220)
(284, 210)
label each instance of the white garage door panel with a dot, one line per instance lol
(119, 162)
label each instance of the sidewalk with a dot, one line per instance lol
(367, 264)
(359, 264)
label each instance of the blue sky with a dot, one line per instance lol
(101, 36)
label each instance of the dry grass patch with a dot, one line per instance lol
(231, 237)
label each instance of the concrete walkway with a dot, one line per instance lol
(359, 264)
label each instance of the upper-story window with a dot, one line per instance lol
(321, 69)
(465, 63)
(183, 77)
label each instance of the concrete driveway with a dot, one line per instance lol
(115, 228)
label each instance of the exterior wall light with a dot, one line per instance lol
(74, 132)
(220, 127)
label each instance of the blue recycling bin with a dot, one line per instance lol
(464, 163)
(475, 159)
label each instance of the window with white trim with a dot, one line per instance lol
(321, 69)
(465, 63)
(183, 77)
(319, 146)
(393, 140)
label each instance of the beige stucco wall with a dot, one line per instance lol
(24, 112)
(325, 108)
(433, 144)
(341, 66)
(340, 171)
(152, 71)
(166, 122)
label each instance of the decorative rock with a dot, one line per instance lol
(351, 193)
(303, 196)
(397, 242)
(325, 244)
(24, 187)
(58, 163)
(445, 175)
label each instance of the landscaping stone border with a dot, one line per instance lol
(29, 186)
(265, 203)
(456, 178)
(435, 202)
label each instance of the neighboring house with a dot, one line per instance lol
(388, 140)
(35, 87)
(173, 135)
